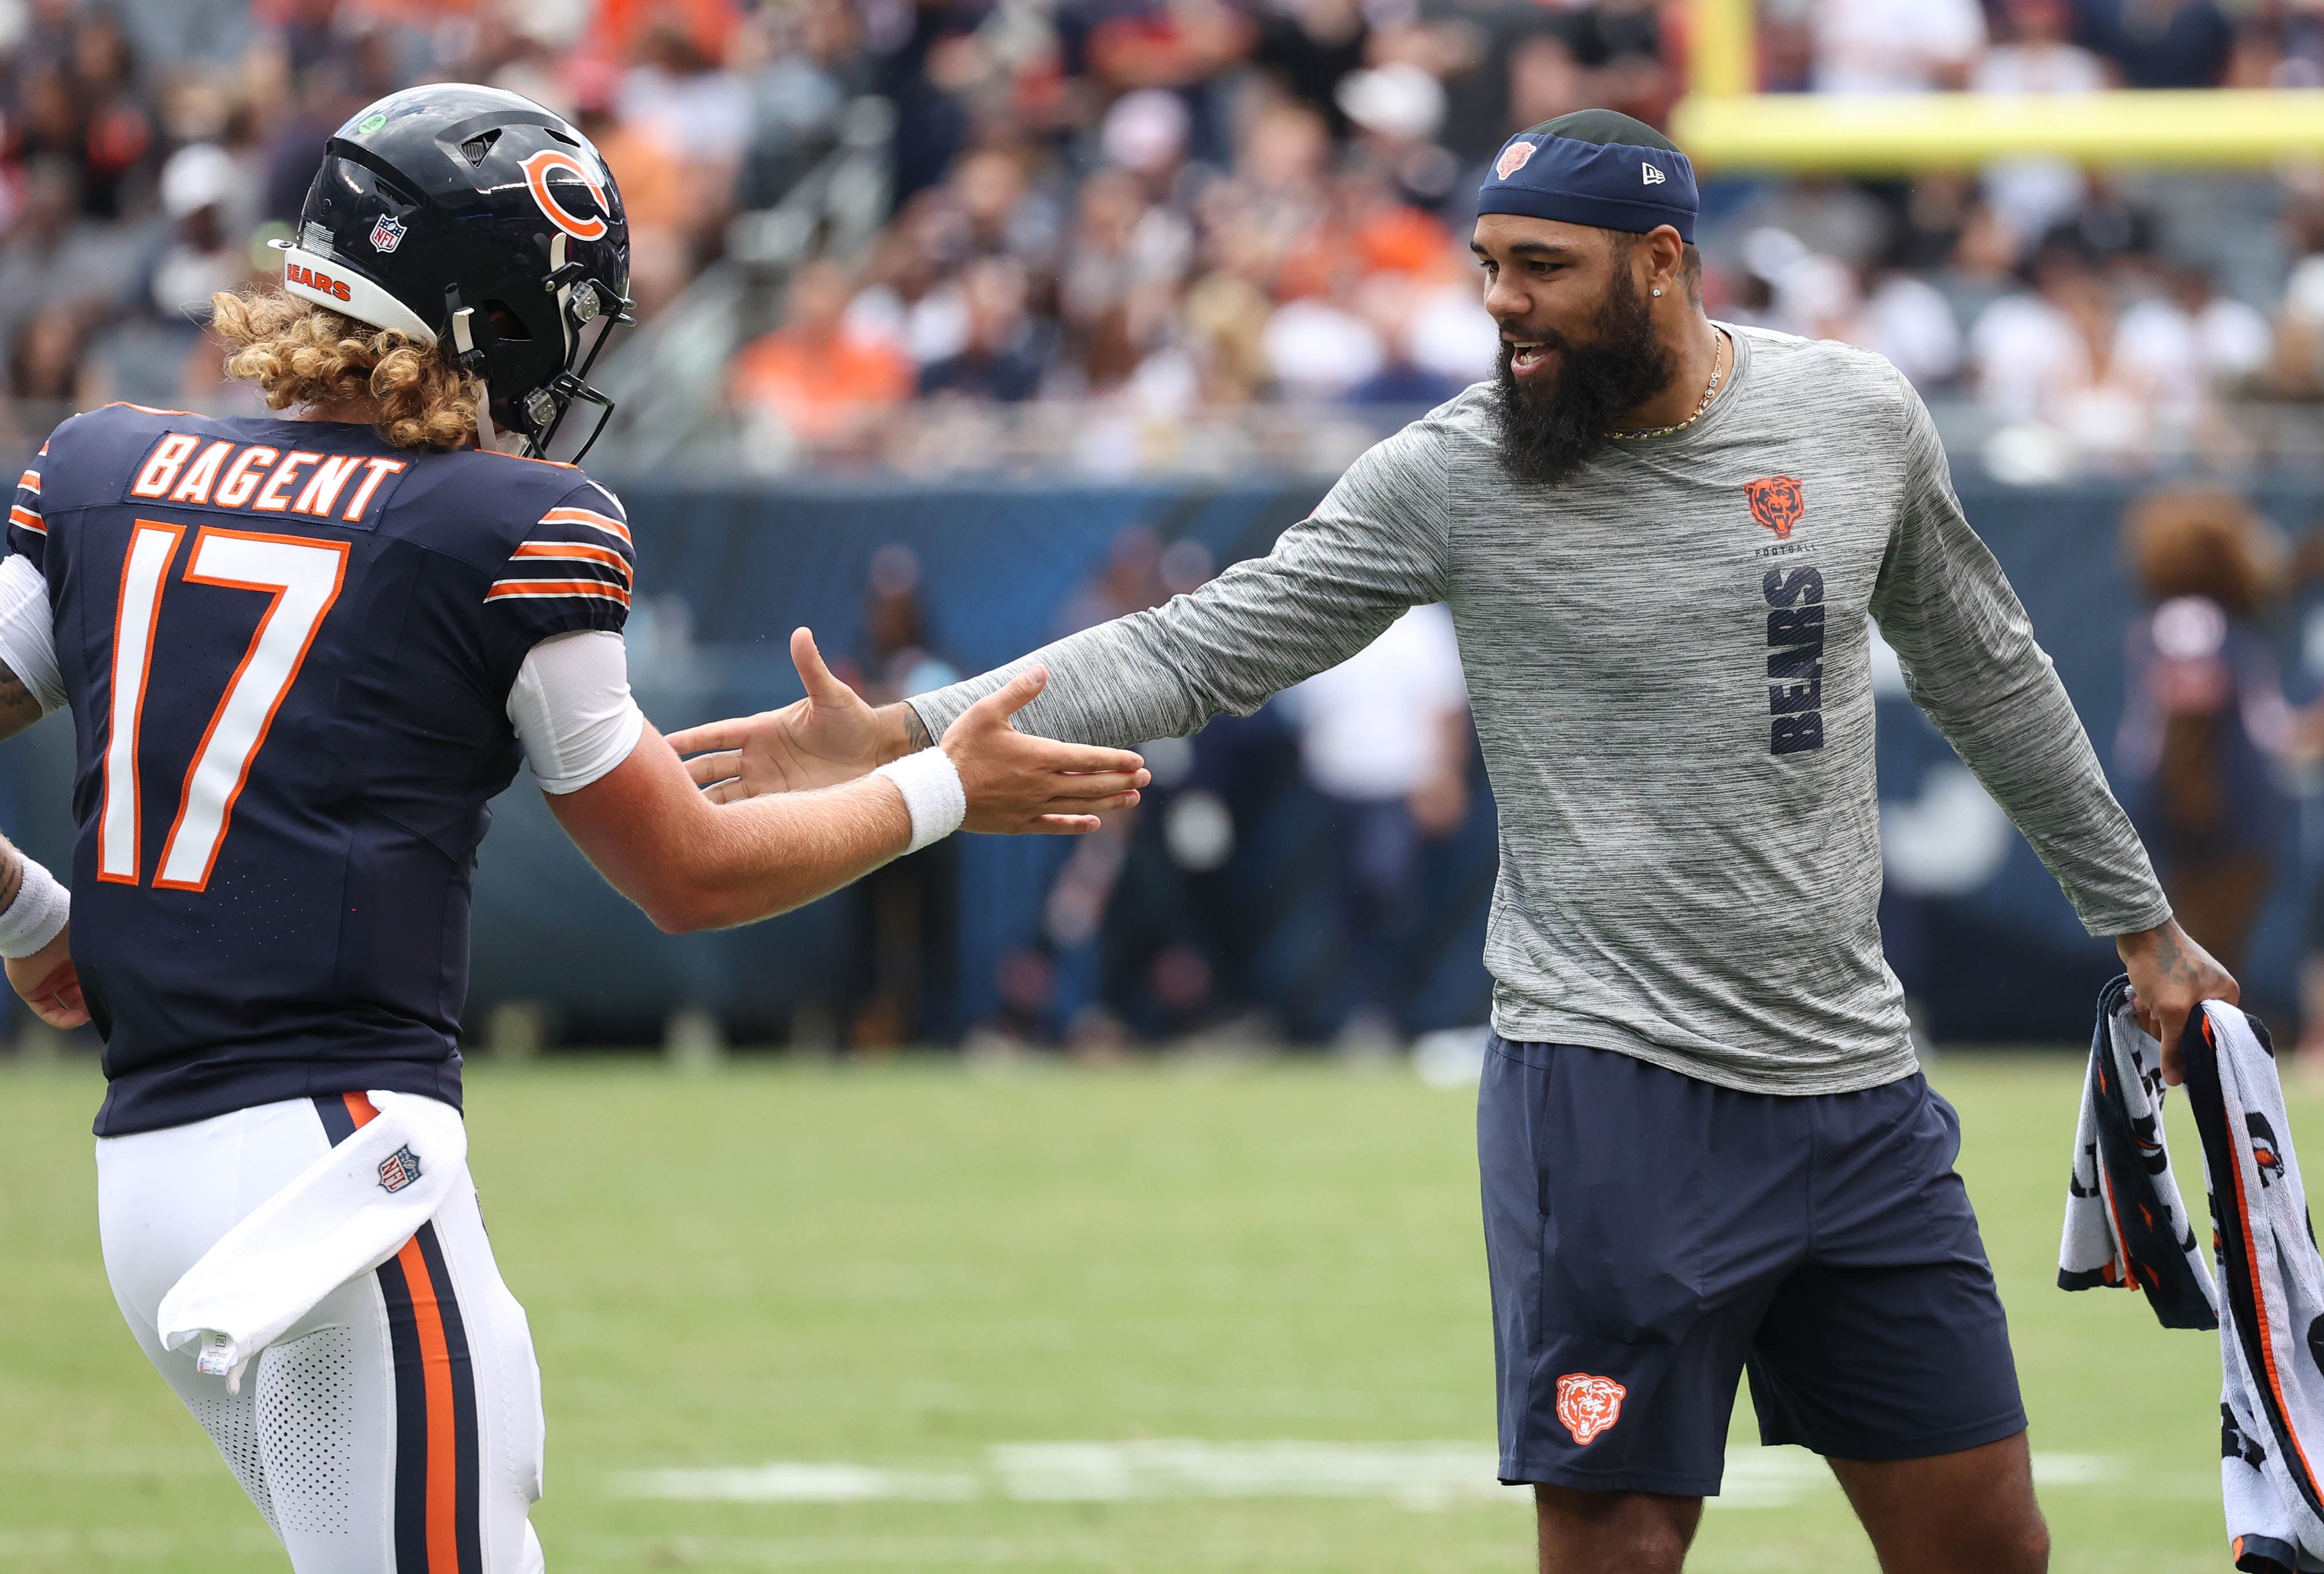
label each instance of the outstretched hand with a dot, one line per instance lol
(49, 984)
(829, 737)
(1015, 782)
(2169, 976)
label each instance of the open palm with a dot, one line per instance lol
(829, 737)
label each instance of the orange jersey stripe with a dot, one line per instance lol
(18, 515)
(590, 517)
(29, 481)
(436, 1383)
(576, 552)
(520, 589)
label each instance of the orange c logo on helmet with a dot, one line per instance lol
(536, 177)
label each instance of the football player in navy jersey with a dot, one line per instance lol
(302, 655)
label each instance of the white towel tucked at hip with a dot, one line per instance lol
(347, 1213)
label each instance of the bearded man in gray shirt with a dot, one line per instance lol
(1705, 1144)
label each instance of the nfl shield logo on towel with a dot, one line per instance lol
(398, 1169)
(387, 233)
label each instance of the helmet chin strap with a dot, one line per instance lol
(464, 339)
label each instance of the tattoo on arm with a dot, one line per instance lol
(916, 732)
(18, 708)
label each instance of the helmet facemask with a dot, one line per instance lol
(583, 309)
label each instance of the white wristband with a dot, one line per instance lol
(38, 913)
(933, 795)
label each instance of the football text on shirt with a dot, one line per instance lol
(187, 470)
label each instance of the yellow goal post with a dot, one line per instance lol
(1726, 125)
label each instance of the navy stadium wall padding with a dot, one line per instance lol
(2004, 961)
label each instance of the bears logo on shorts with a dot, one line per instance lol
(1778, 502)
(1587, 1406)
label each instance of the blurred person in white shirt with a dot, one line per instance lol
(200, 186)
(2038, 57)
(2054, 356)
(1896, 46)
(1906, 319)
(2192, 343)
(699, 111)
(2037, 53)
(1320, 349)
(1385, 735)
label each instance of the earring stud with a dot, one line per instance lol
(1657, 293)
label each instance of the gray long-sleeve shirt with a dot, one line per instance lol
(1669, 658)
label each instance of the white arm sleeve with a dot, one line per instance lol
(28, 640)
(572, 710)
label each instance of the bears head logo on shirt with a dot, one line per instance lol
(1587, 1406)
(1776, 502)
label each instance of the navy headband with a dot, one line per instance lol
(1607, 185)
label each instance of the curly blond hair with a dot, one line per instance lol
(307, 356)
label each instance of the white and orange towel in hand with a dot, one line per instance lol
(2124, 1226)
(347, 1213)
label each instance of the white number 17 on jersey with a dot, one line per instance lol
(304, 577)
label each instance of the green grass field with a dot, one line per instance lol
(916, 1271)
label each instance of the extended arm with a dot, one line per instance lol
(36, 940)
(30, 685)
(1972, 663)
(1374, 547)
(693, 862)
(35, 931)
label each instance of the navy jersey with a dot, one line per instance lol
(287, 648)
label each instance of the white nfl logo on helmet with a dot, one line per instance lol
(1654, 176)
(387, 233)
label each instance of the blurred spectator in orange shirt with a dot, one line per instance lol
(812, 383)
(617, 28)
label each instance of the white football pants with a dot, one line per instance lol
(397, 1427)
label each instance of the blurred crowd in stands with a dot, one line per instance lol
(1156, 227)
(1145, 211)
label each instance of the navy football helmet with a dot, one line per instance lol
(472, 218)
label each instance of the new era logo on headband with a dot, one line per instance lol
(1654, 176)
(1513, 159)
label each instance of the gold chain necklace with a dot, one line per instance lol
(1709, 394)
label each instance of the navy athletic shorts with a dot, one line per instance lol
(1650, 1236)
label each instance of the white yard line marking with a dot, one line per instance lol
(2076, 1469)
(686, 1552)
(1430, 1475)
(799, 1482)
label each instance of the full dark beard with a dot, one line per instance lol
(1549, 434)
